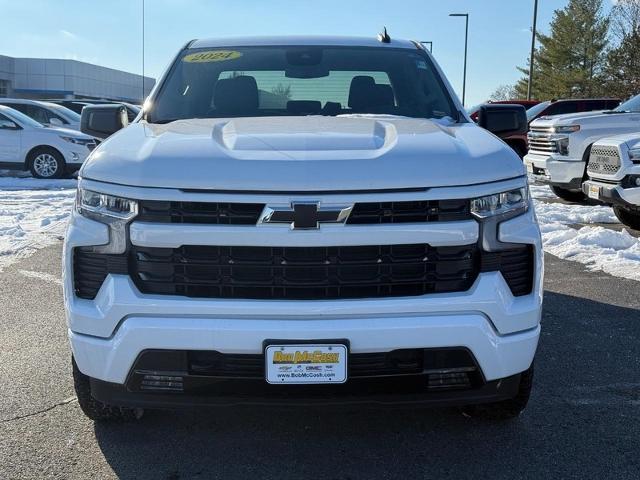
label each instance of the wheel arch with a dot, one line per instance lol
(32, 150)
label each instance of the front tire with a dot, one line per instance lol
(46, 163)
(505, 409)
(96, 410)
(631, 218)
(569, 195)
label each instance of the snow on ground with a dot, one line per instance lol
(33, 214)
(599, 248)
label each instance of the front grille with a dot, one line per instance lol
(300, 273)
(249, 213)
(199, 212)
(296, 273)
(603, 159)
(405, 212)
(540, 140)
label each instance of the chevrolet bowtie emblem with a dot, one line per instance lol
(305, 215)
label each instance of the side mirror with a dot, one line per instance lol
(8, 125)
(100, 121)
(56, 122)
(503, 119)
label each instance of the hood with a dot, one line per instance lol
(302, 154)
(66, 131)
(632, 140)
(569, 118)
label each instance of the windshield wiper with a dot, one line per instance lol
(609, 112)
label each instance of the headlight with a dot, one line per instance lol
(566, 128)
(512, 202)
(105, 208)
(77, 141)
(634, 155)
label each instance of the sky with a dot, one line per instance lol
(109, 33)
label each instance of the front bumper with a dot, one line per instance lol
(108, 333)
(612, 193)
(555, 170)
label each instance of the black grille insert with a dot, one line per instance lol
(249, 213)
(90, 270)
(304, 272)
(516, 266)
(410, 212)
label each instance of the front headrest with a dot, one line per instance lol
(360, 91)
(236, 95)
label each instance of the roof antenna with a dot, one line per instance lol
(384, 36)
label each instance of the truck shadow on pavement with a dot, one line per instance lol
(586, 401)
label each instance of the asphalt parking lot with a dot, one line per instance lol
(582, 421)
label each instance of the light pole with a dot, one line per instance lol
(143, 52)
(466, 38)
(533, 49)
(426, 42)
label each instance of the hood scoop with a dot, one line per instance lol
(306, 134)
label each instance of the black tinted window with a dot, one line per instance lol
(560, 108)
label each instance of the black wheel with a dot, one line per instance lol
(631, 218)
(569, 195)
(46, 163)
(95, 410)
(506, 409)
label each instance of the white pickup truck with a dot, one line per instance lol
(559, 146)
(303, 220)
(614, 176)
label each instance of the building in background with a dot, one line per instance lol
(43, 78)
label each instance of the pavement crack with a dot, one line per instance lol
(44, 410)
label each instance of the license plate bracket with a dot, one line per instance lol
(594, 192)
(306, 362)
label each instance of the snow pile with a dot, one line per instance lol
(616, 253)
(599, 248)
(33, 214)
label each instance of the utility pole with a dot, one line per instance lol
(466, 40)
(533, 48)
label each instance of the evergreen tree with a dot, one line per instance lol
(622, 73)
(569, 62)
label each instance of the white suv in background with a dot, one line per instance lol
(46, 113)
(303, 220)
(614, 176)
(46, 152)
(559, 146)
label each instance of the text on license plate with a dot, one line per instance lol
(305, 363)
(594, 191)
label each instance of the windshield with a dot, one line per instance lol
(21, 118)
(65, 112)
(287, 81)
(632, 105)
(534, 111)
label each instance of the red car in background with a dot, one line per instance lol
(537, 109)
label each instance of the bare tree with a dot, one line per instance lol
(504, 92)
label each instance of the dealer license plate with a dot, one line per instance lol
(306, 363)
(594, 191)
(530, 168)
